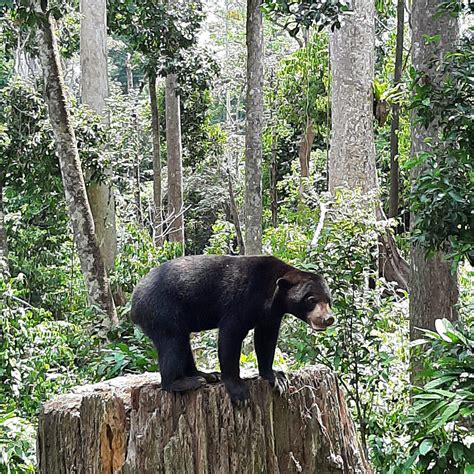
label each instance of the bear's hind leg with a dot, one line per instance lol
(173, 356)
(192, 371)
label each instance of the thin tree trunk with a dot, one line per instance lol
(90, 257)
(3, 237)
(253, 136)
(304, 150)
(273, 183)
(128, 70)
(94, 92)
(352, 152)
(395, 125)
(129, 425)
(174, 159)
(136, 166)
(228, 105)
(235, 215)
(433, 287)
(155, 127)
(137, 173)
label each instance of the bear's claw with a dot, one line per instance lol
(281, 383)
(210, 377)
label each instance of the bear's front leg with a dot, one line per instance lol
(265, 340)
(230, 345)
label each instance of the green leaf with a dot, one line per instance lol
(439, 381)
(449, 411)
(442, 326)
(458, 451)
(426, 446)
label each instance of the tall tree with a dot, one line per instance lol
(155, 128)
(3, 235)
(174, 160)
(94, 92)
(253, 136)
(92, 264)
(395, 125)
(433, 287)
(352, 152)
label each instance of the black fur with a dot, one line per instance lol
(234, 294)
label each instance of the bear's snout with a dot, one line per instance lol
(321, 317)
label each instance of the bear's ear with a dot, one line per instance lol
(284, 283)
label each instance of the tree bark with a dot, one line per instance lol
(304, 150)
(433, 288)
(235, 215)
(136, 167)
(253, 135)
(395, 125)
(94, 92)
(92, 264)
(155, 127)
(129, 425)
(174, 157)
(4, 267)
(352, 152)
(273, 183)
(129, 72)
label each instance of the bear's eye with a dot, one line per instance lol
(311, 299)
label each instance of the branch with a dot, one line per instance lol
(320, 225)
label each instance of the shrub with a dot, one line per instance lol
(441, 419)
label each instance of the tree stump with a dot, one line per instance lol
(129, 425)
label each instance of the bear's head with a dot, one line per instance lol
(306, 296)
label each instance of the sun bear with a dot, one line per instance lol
(233, 294)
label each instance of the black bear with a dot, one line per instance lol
(234, 294)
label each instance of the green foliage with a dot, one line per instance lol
(440, 421)
(160, 31)
(41, 247)
(39, 357)
(311, 13)
(222, 239)
(202, 140)
(37, 353)
(367, 347)
(17, 441)
(137, 256)
(443, 194)
(128, 351)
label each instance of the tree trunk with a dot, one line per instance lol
(155, 128)
(392, 266)
(395, 125)
(273, 183)
(94, 92)
(136, 167)
(174, 157)
(352, 152)
(433, 288)
(129, 72)
(253, 136)
(80, 214)
(3, 237)
(304, 150)
(129, 425)
(235, 215)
